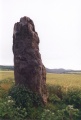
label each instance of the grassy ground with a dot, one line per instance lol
(64, 101)
(65, 80)
(6, 79)
(6, 75)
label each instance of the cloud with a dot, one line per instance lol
(58, 24)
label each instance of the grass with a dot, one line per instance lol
(6, 79)
(6, 75)
(65, 80)
(64, 101)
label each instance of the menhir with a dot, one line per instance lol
(28, 68)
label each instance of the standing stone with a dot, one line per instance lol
(28, 67)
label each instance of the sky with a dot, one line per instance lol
(58, 24)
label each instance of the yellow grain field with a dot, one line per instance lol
(6, 79)
(64, 80)
(6, 75)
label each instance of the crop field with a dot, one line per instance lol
(6, 79)
(6, 75)
(64, 80)
(64, 99)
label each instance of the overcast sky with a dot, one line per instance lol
(58, 23)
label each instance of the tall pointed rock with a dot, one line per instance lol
(28, 67)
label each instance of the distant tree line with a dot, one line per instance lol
(2, 67)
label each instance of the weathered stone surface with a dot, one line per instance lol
(28, 67)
